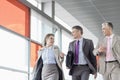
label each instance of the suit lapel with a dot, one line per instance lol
(74, 46)
(114, 40)
(83, 44)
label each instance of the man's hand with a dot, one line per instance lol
(67, 68)
(101, 49)
(95, 75)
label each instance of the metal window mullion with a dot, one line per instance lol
(14, 70)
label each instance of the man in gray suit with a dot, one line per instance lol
(84, 61)
(109, 53)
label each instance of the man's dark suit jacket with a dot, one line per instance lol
(88, 47)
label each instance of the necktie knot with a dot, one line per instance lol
(108, 38)
(77, 42)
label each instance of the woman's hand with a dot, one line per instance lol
(62, 55)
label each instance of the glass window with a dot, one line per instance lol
(11, 75)
(34, 53)
(40, 26)
(36, 26)
(13, 51)
(58, 39)
(33, 56)
(15, 16)
(66, 39)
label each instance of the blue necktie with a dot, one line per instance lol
(76, 51)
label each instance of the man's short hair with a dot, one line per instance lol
(109, 24)
(78, 28)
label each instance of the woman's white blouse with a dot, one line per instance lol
(48, 55)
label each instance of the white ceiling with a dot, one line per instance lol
(92, 13)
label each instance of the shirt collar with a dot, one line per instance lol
(50, 47)
(111, 36)
(80, 40)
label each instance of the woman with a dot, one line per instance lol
(49, 64)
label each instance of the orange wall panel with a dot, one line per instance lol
(15, 16)
(34, 53)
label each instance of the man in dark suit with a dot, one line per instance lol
(84, 61)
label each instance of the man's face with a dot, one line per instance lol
(76, 33)
(106, 30)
